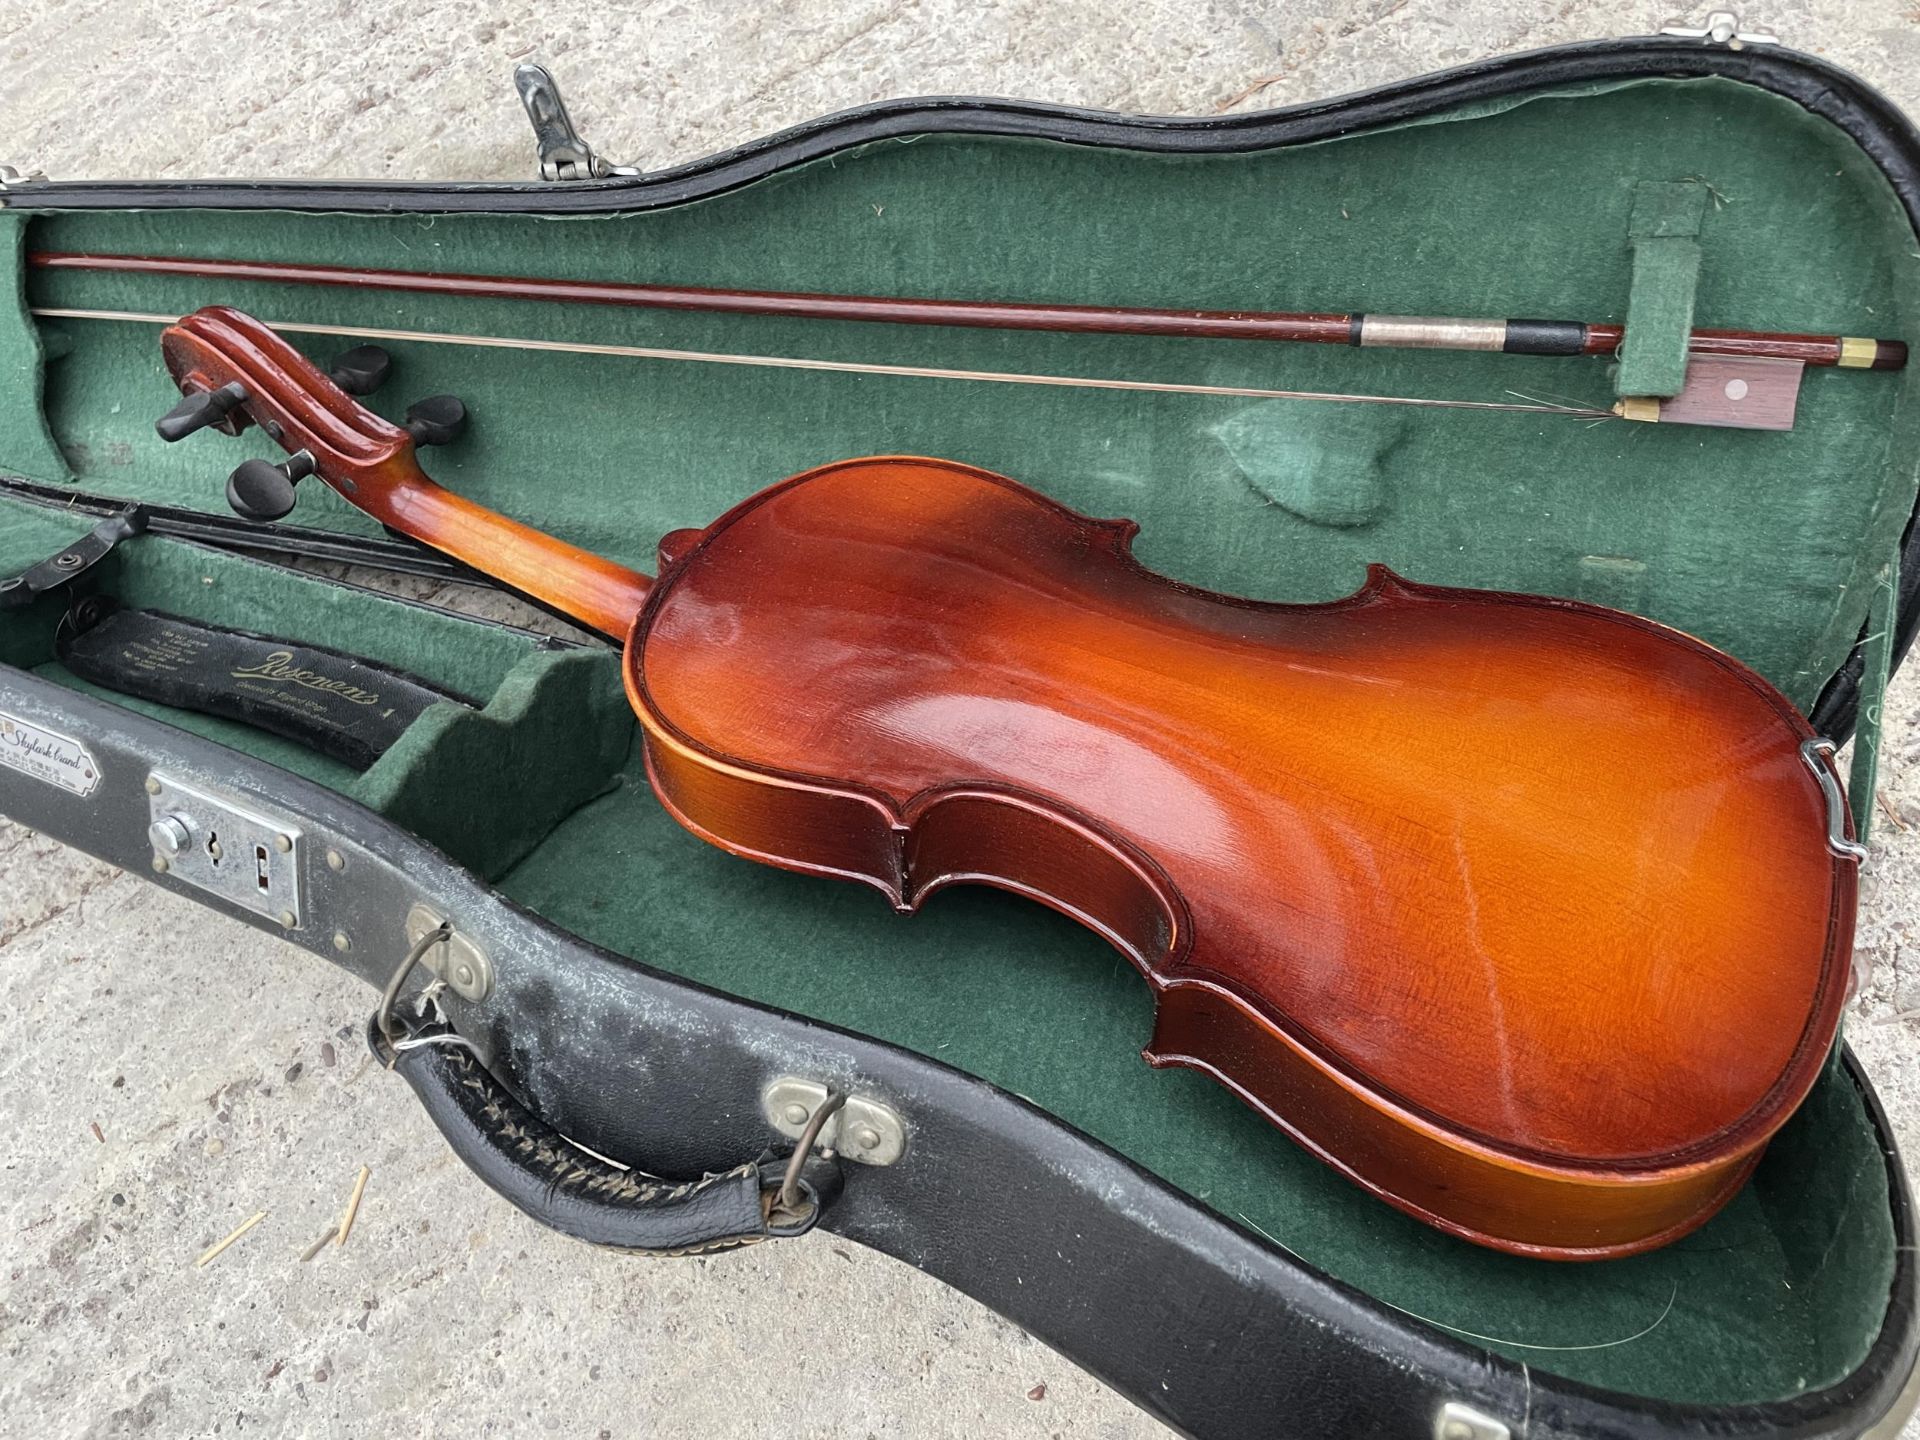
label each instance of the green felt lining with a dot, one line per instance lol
(492, 783)
(1767, 544)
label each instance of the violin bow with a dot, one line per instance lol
(1738, 378)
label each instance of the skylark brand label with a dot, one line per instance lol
(43, 755)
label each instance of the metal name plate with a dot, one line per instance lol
(47, 756)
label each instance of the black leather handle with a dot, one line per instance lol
(566, 1189)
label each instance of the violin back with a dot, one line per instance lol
(1518, 911)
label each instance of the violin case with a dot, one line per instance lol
(619, 983)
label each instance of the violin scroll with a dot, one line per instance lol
(234, 371)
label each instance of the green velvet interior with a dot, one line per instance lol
(1763, 543)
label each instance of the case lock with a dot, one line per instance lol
(244, 856)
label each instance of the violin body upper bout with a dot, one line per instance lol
(1518, 911)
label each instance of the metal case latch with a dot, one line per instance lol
(247, 858)
(10, 177)
(563, 154)
(1723, 28)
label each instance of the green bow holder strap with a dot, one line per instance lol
(1664, 235)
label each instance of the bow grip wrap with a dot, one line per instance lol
(529, 1164)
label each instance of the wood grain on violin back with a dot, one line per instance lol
(1520, 911)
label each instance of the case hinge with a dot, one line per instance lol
(865, 1130)
(10, 177)
(1722, 27)
(563, 154)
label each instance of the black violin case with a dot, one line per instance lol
(618, 982)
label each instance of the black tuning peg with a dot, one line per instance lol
(200, 409)
(362, 370)
(436, 420)
(262, 491)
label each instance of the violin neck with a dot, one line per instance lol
(584, 587)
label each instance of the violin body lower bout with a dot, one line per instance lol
(1518, 911)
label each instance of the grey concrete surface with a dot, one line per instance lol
(165, 1073)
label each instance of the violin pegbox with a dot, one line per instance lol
(233, 370)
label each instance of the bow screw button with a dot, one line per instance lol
(261, 491)
(201, 409)
(362, 370)
(436, 420)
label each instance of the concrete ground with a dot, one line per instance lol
(166, 1073)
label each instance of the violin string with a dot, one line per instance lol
(850, 367)
(1641, 1333)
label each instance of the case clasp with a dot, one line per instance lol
(10, 177)
(1723, 28)
(1456, 1421)
(563, 154)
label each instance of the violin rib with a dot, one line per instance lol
(1518, 911)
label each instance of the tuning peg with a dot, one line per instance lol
(436, 420)
(200, 409)
(262, 491)
(362, 370)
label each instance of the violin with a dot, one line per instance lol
(1532, 918)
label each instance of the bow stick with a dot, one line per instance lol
(1747, 379)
